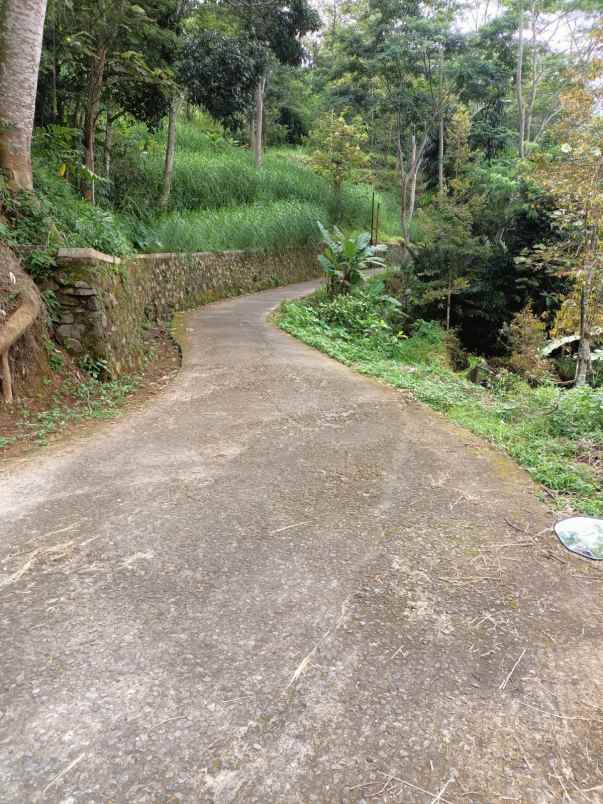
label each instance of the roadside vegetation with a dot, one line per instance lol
(220, 199)
(74, 401)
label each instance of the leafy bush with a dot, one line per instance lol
(578, 414)
(57, 217)
(526, 335)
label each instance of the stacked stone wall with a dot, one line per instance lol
(105, 304)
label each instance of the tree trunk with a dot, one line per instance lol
(21, 32)
(108, 149)
(534, 77)
(96, 79)
(20, 320)
(412, 192)
(259, 122)
(519, 86)
(402, 179)
(55, 76)
(408, 182)
(449, 300)
(584, 364)
(441, 184)
(170, 153)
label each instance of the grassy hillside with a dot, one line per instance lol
(220, 200)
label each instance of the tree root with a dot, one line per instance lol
(19, 321)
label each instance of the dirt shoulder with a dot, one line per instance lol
(71, 404)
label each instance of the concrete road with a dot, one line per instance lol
(283, 582)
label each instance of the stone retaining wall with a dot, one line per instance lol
(106, 303)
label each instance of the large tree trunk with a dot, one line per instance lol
(21, 319)
(96, 80)
(21, 32)
(170, 153)
(259, 122)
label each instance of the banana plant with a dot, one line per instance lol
(344, 258)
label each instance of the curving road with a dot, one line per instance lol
(284, 582)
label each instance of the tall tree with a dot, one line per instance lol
(573, 176)
(279, 29)
(21, 35)
(113, 55)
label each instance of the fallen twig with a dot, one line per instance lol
(562, 717)
(591, 789)
(63, 772)
(288, 527)
(242, 698)
(396, 652)
(523, 753)
(388, 781)
(523, 531)
(39, 551)
(443, 790)
(508, 678)
(413, 786)
(167, 720)
(468, 580)
(363, 784)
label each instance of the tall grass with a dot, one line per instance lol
(269, 226)
(220, 200)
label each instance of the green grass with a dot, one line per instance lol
(264, 226)
(220, 200)
(546, 430)
(75, 402)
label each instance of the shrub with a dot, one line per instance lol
(457, 356)
(526, 335)
(356, 313)
(579, 413)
